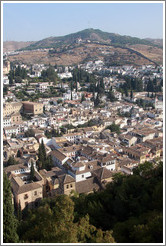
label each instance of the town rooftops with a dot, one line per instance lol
(60, 156)
(66, 178)
(55, 171)
(88, 185)
(102, 173)
(14, 167)
(70, 149)
(137, 149)
(59, 139)
(19, 186)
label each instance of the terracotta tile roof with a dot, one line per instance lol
(87, 150)
(14, 167)
(68, 179)
(106, 158)
(87, 185)
(89, 166)
(69, 149)
(55, 171)
(19, 187)
(58, 154)
(102, 173)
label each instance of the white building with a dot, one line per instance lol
(65, 75)
(9, 130)
(5, 80)
(6, 121)
(42, 87)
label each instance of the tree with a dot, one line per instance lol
(11, 161)
(111, 96)
(49, 74)
(19, 212)
(88, 233)
(114, 128)
(49, 163)
(131, 94)
(19, 153)
(11, 77)
(9, 220)
(53, 222)
(83, 98)
(126, 92)
(18, 79)
(42, 154)
(44, 161)
(71, 88)
(5, 89)
(11, 80)
(76, 84)
(150, 86)
(144, 169)
(97, 100)
(32, 172)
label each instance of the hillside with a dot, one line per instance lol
(87, 34)
(14, 45)
(158, 41)
(90, 44)
(79, 54)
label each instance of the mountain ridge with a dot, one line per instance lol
(90, 35)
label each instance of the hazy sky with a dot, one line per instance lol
(36, 21)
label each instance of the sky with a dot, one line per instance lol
(36, 21)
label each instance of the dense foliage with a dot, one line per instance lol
(83, 77)
(44, 161)
(129, 210)
(131, 206)
(49, 75)
(114, 128)
(54, 223)
(52, 133)
(16, 75)
(11, 161)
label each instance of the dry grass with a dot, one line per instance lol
(79, 54)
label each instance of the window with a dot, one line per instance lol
(67, 186)
(35, 193)
(25, 196)
(82, 175)
(71, 185)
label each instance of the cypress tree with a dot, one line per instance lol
(41, 155)
(19, 212)
(9, 220)
(76, 84)
(43, 150)
(71, 90)
(131, 94)
(32, 172)
(11, 161)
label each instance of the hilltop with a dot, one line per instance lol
(92, 35)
